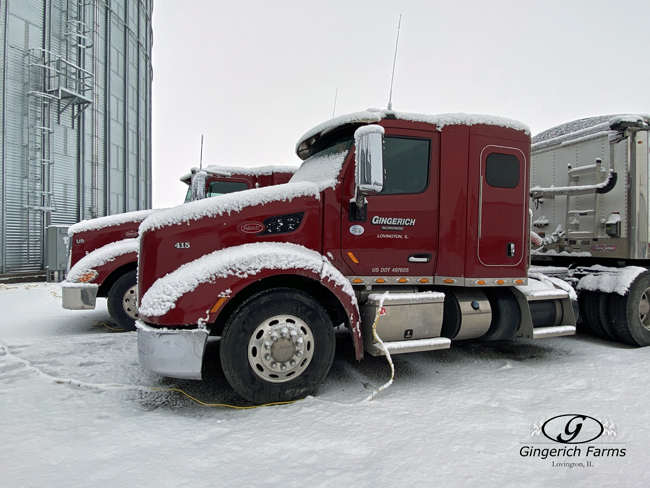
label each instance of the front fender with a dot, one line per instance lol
(104, 261)
(189, 295)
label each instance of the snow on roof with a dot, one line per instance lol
(313, 176)
(110, 221)
(371, 116)
(583, 127)
(101, 256)
(244, 171)
(241, 261)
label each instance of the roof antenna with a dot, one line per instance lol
(390, 98)
(335, 97)
(201, 160)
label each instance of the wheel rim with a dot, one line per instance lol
(130, 302)
(281, 348)
(644, 309)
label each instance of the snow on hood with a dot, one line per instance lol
(241, 261)
(109, 221)
(371, 116)
(314, 175)
(322, 169)
(242, 170)
(228, 203)
(101, 256)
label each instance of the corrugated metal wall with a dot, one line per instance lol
(75, 117)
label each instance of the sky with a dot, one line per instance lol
(254, 76)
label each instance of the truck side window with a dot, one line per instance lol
(406, 165)
(502, 170)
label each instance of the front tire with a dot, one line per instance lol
(123, 301)
(277, 346)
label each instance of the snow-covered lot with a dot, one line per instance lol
(76, 410)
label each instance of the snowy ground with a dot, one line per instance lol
(72, 413)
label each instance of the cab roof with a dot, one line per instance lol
(373, 116)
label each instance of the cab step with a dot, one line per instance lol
(401, 347)
(557, 331)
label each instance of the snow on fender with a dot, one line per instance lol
(79, 289)
(101, 256)
(241, 263)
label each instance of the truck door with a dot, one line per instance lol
(502, 212)
(399, 236)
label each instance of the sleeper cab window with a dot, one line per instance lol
(406, 165)
(502, 170)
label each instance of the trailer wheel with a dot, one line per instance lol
(277, 346)
(597, 311)
(631, 313)
(122, 301)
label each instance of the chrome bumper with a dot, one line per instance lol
(79, 296)
(174, 353)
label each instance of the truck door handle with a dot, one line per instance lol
(511, 249)
(419, 258)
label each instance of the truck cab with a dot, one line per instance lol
(102, 252)
(406, 227)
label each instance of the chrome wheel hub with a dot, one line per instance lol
(130, 302)
(644, 309)
(280, 348)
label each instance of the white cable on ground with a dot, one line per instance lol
(384, 350)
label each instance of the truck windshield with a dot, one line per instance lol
(216, 188)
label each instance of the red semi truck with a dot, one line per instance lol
(411, 230)
(103, 252)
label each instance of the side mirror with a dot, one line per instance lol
(369, 175)
(198, 185)
(369, 149)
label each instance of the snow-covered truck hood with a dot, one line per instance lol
(315, 175)
(110, 221)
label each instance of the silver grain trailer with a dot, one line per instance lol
(590, 219)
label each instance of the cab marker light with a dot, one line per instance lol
(353, 258)
(423, 280)
(217, 305)
(499, 282)
(402, 280)
(449, 281)
(357, 280)
(380, 280)
(519, 282)
(480, 282)
(88, 276)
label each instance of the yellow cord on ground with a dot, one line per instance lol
(111, 328)
(385, 351)
(224, 404)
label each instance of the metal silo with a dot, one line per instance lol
(75, 117)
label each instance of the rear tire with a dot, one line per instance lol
(123, 301)
(598, 313)
(631, 313)
(277, 346)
